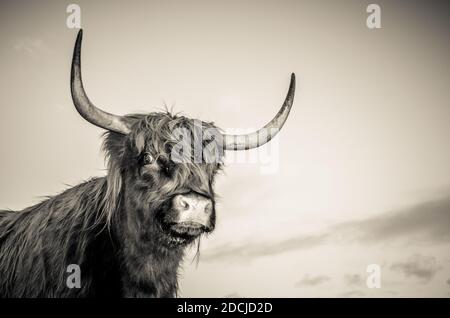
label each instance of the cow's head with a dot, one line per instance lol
(162, 166)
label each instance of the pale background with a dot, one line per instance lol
(364, 159)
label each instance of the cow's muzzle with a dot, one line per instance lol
(194, 214)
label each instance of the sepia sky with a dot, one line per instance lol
(361, 170)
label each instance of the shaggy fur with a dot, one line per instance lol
(113, 227)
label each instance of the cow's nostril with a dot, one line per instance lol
(208, 208)
(184, 204)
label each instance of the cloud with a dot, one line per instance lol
(429, 220)
(30, 46)
(312, 280)
(249, 251)
(233, 295)
(422, 267)
(426, 222)
(352, 293)
(353, 280)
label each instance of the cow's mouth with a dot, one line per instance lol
(177, 234)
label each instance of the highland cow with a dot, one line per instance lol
(126, 231)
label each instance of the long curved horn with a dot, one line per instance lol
(82, 103)
(265, 134)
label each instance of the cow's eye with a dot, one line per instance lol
(166, 166)
(148, 159)
(166, 170)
